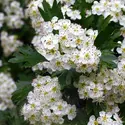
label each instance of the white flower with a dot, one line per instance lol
(9, 43)
(122, 21)
(45, 103)
(69, 2)
(92, 121)
(113, 109)
(89, 1)
(62, 25)
(7, 87)
(73, 14)
(14, 15)
(110, 8)
(96, 91)
(105, 118)
(118, 120)
(1, 19)
(121, 64)
(72, 112)
(97, 8)
(1, 63)
(108, 85)
(64, 9)
(70, 47)
(50, 41)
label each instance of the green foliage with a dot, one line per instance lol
(24, 86)
(108, 31)
(94, 108)
(88, 21)
(106, 38)
(81, 118)
(108, 59)
(122, 112)
(48, 13)
(2, 116)
(27, 56)
(103, 23)
(20, 95)
(67, 78)
(82, 6)
(11, 117)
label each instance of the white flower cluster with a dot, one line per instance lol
(45, 104)
(121, 61)
(105, 118)
(34, 13)
(5, 2)
(121, 50)
(1, 19)
(114, 8)
(1, 63)
(107, 86)
(9, 43)
(36, 18)
(13, 14)
(89, 1)
(71, 47)
(7, 87)
(67, 45)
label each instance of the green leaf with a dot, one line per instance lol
(56, 9)
(103, 37)
(20, 95)
(46, 6)
(108, 56)
(103, 23)
(81, 118)
(107, 59)
(44, 15)
(88, 21)
(82, 6)
(2, 116)
(109, 33)
(106, 39)
(122, 112)
(96, 108)
(89, 107)
(11, 117)
(28, 56)
(116, 34)
(65, 79)
(48, 13)
(47, 9)
(100, 22)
